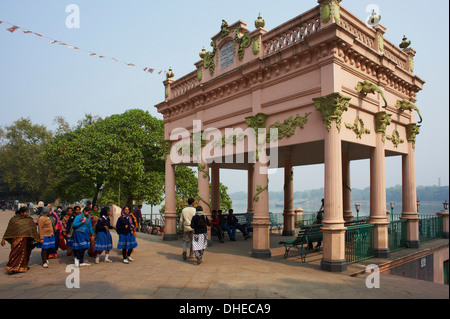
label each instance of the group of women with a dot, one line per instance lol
(78, 229)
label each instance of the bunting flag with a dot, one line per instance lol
(14, 28)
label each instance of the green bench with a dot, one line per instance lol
(306, 236)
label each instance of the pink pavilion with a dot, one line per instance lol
(337, 91)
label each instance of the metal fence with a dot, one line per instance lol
(397, 234)
(430, 227)
(359, 243)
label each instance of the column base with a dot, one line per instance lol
(288, 233)
(261, 253)
(382, 253)
(333, 265)
(413, 244)
(445, 235)
(170, 237)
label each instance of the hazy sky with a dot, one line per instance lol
(40, 80)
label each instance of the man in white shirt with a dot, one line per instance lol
(185, 223)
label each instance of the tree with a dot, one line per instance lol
(24, 171)
(98, 154)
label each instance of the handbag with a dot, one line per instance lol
(62, 242)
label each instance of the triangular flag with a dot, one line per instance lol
(145, 70)
(39, 35)
(13, 28)
(1, 21)
(54, 41)
(26, 31)
(93, 54)
(151, 70)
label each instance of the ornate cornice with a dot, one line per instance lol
(332, 107)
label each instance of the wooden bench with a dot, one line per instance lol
(306, 236)
(274, 222)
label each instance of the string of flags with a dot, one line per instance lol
(13, 28)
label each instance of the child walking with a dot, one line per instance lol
(103, 242)
(82, 231)
(124, 228)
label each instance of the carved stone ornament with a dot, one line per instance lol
(260, 22)
(395, 139)
(382, 121)
(257, 121)
(368, 87)
(332, 107)
(412, 130)
(405, 105)
(358, 127)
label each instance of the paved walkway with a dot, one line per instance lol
(228, 272)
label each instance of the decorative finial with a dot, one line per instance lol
(374, 19)
(405, 44)
(170, 74)
(203, 53)
(260, 23)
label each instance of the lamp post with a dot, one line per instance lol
(392, 204)
(445, 205)
(357, 206)
(418, 204)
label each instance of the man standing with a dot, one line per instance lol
(137, 213)
(185, 223)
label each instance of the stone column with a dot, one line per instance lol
(288, 214)
(409, 189)
(170, 214)
(250, 186)
(378, 189)
(347, 190)
(332, 107)
(261, 220)
(215, 186)
(204, 194)
(445, 219)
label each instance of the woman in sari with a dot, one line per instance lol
(20, 233)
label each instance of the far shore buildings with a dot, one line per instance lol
(337, 91)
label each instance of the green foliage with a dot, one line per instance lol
(100, 153)
(23, 168)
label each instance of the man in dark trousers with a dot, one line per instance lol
(233, 222)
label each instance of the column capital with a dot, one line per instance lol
(382, 120)
(412, 130)
(332, 107)
(257, 121)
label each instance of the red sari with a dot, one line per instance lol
(20, 233)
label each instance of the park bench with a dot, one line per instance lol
(306, 236)
(274, 222)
